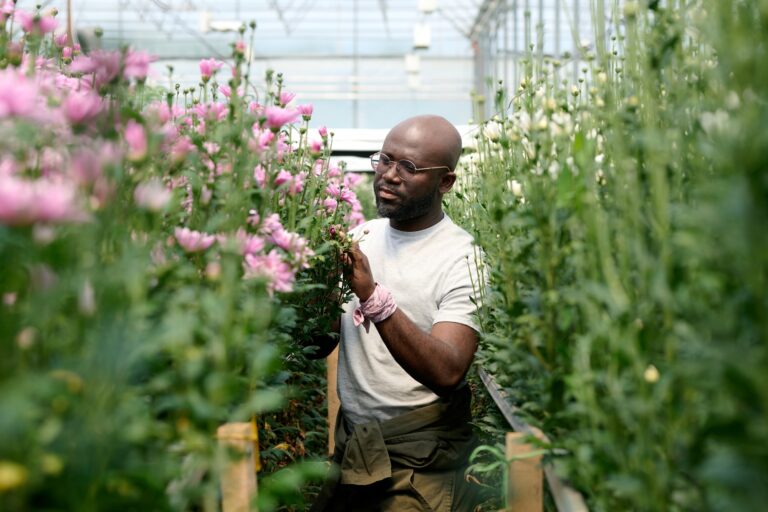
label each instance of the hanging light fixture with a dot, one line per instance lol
(412, 63)
(422, 36)
(206, 24)
(427, 6)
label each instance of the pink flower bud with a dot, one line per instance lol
(61, 40)
(305, 110)
(283, 177)
(208, 67)
(286, 97)
(136, 138)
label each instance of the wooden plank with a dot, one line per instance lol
(238, 481)
(333, 397)
(525, 487)
(566, 498)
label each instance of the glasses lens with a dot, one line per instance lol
(406, 168)
(403, 168)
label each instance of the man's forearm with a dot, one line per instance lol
(438, 359)
(438, 365)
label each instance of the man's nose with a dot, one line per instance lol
(391, 173)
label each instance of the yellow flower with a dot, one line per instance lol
(73, 381)
(51, 464)
(12, 475)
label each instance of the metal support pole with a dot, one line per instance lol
(577, 38)
(557, 38)
(527, 25)
(355, 68)
(506, 45)
(516, 49)
(540, 37)
(493, 36)
(70, 41)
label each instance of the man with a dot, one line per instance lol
(408, 337)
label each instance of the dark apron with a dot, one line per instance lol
(414, 462)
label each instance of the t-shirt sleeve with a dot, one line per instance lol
(461, 294)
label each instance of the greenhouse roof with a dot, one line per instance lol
(203, 28)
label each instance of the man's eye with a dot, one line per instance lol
(384, 159)
(408, 166)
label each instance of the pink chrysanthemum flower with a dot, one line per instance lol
(81, 107)
(18, 95)
(25, 202)
(277, 117)
(271, 224)
(279, 274)
(193, 241)
(36, 23)
(249, 244)
(137, 65)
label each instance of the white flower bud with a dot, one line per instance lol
(651, 374)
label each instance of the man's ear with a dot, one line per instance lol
(447, 181)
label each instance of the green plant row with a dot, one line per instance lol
(623, 218)
(163, 255)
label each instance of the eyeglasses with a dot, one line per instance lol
(405, 169)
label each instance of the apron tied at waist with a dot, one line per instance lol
(436, 437)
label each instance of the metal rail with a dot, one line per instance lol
(567, 499)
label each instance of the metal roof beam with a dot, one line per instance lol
(484, 13)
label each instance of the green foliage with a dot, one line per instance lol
(123, 345)
(623, 222)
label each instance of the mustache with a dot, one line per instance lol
(388, 190)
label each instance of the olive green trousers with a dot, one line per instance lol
(414, 462)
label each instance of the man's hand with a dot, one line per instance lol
(357, 272)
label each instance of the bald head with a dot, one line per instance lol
(434, 137)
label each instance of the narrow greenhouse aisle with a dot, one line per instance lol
(211, 300)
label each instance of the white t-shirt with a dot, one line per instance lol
(430, 274)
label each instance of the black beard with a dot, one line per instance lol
(407, 210)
